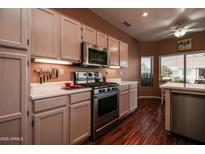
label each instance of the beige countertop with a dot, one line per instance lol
(182, 86)
(47, 90)
(120, 82)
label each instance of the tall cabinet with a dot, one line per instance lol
(13, 76)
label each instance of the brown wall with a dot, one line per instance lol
(166, 47)
(87, 17)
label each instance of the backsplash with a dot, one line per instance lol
(68, 70)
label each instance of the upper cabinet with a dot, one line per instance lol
(70, 39)
(89, 35)
(13, 27)
(44, 33)
(123, 54)
(102, 40)
(113, 47)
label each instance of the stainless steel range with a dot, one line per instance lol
(105, 102)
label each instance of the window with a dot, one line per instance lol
(188, 67)
(172, 68)
(146, 71)
(195, 68)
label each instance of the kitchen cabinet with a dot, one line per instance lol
(113, 47)
(89, 35)
(102, 40)
(44, 33)
(133, 99)
(124, 103)
(80, 118)
(50, 120)
(123, 54)
(70, 39)
(13, 98)
(13, 27)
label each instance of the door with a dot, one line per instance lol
(80, 118)
(123, 54)
(50, 127)
(13, 27)
(101, 40)
(89, 35)
(113, 47)
(124, 103)
(133, 99)
(13, 100)
(70, 34)
(44, 33)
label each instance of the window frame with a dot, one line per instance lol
(152, 70)
(185, 61)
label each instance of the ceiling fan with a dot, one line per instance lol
(181, 28)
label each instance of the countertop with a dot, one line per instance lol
(182, 86)
(120, 82)
(47, 90)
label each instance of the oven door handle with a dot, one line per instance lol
(107, 95)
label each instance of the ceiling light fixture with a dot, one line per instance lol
(145, 14)
(180, 32)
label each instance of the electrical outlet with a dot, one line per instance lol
(61, 71)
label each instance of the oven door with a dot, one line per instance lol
(106, 109)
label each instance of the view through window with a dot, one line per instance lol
(172, 68)
(146, 71)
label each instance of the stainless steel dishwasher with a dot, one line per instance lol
(188, 114)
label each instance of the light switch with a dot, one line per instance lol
(61, 71)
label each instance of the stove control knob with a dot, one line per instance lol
(100, 91)
(108, 89)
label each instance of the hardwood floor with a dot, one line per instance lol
(144, 126)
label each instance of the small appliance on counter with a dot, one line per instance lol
(105, 102)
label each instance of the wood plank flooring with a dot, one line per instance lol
(144, 126)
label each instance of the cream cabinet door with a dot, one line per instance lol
(133, 99)
(124, 103)
(102, 40)
(89, 35)
(13, 99)
(113, 47)
(80, 122)
(50, 127)
(70, 36)
(123, 54)
(44, 33)
(13, 27)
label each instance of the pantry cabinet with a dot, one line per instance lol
(13, 98)
(113, 47)
(102, 40)
(123, 54)
(44, 33)
(70, 39)
(89, 35)
(13, 27)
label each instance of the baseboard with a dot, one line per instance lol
(157, 97)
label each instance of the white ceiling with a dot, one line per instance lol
(149, 28)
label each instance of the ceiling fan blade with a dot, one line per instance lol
(166, 36)
(191, 25)
(195, 29)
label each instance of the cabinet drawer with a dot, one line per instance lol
(133, 86)
(50, 103)
(79, 97)
(124, 87)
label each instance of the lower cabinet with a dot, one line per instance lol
(50, 127)
(133, 99)
(80, 118)
(124, 103)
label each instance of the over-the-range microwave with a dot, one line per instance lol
(93, 55)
